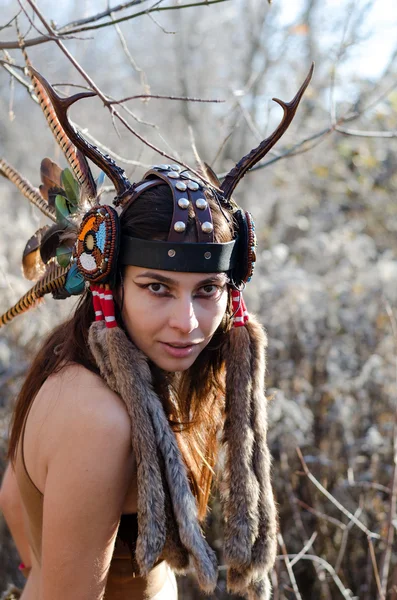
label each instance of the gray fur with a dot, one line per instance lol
(167, 510)
(126, 367)
(151, 511)
(183, 502)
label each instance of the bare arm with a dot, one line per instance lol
(89, 472)
(12, 509)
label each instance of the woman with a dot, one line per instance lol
(116, 429)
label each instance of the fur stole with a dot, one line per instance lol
(168, 526)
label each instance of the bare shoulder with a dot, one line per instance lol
(77, 404)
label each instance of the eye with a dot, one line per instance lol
(210, 290)
(159, 289)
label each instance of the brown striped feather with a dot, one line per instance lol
(51, 282)
(76, 160)
(26, 188)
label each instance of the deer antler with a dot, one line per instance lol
(104, 162)
(247, 162)
(75, 158)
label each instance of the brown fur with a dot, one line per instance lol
(265, 546)
(151, 522)
(126, 367)
(168, 525)
(241, 502)
(248, 466)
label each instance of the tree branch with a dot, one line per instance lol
(58, 34)
(101, 95)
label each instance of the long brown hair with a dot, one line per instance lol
(193, 400)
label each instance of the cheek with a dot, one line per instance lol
(213, 318)
(135, 312)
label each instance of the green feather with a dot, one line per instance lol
(63, 254)
(75, 283)
(71, 188)
(62, 210)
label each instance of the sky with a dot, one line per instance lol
(372, 56)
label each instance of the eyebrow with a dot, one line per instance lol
(216, 278)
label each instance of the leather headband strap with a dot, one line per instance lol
(178, 256)
(139, 189)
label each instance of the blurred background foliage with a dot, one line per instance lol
(324, 203)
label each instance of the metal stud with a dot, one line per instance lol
(180, 226)
(164, 167)
(201, 203)
(171, 253)
(207, 227)
(193, 185)
(183, 203)
(180, 186)
(175, 167)
(207, 255)
(173, 174)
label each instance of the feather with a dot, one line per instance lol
(76, 159)
(51, 180)
(50, 242)
(75, 282)
(33, 266)
(211, 175)
(26, 188)
(52, 282)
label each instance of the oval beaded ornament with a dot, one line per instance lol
(97, 245)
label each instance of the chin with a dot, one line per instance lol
(173, 365)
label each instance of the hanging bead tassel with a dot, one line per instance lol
(239, 309)
(103, 301)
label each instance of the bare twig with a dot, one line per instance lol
(11, 64)
(10, 22)
(321, 515)
(160, 97)
(106, 13)
(114, 155)
(381, 595)
(57, 35)
(334, 501)
(305, 548)
(16, 76)
(130, 58)
(11, 102)
(367, 134)
(386, 560)
(163, 29)
(154, 8)
(343, 543)
(102, 96)
(346, 593)
(371, 485)
(289, 567)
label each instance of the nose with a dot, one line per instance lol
(183, 315)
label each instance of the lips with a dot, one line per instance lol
(179, 350)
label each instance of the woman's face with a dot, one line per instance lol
(172, 316)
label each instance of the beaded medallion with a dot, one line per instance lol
(97, 244)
